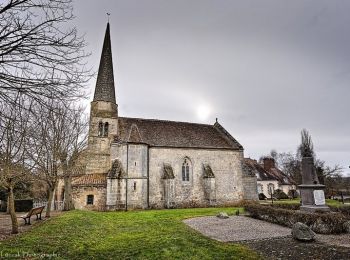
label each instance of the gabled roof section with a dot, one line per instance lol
(168, 172)
(252, 166)
(116, 170)
(104, 90)
(162, 133)
(208, 172)
(227, 135)
(134, 134)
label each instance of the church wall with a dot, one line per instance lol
(134, 160)
(226, 166)
(80, 193)
(250, 187)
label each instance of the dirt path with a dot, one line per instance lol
(5, 223)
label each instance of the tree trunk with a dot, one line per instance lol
(49, 202)
(8, 204)
(68, 201)
(12, 212)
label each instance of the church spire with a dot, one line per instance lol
(104, 90)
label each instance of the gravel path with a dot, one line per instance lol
(236, 228)
(272, 241)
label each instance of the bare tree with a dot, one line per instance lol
(57, 140)
(41, 55)
(306, 148)
(13, 145)
(71, 150)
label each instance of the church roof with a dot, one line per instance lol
(104, 90)
(90, 179)
(164, 133)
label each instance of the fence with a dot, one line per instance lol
(56, 205)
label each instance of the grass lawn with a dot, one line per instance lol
(151, 234)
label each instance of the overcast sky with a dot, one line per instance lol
(265, 69)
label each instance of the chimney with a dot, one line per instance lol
(268, 163)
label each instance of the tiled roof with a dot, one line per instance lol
(254, 167)
(282, 178)
(274, 173)
(89, 179)
(175, 134)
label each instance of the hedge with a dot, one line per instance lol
(345, 210)
(323, 223)
(290, 206)
(280, 195)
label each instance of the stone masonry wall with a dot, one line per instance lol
(79, 195)
(226, 166)
(250, 187)
(99, 146)
(134, 160)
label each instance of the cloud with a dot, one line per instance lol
(267, 68)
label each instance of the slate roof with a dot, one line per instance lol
(90, 179)
(162, 133)
(104, 90)
(252, 166)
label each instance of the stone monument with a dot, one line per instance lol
(311, 191)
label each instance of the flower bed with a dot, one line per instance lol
(323, 223)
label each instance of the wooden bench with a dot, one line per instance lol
(32, 212)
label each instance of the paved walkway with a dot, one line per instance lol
(237, 228)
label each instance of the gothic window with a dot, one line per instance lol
(90, 200)
(105, 129)
(186, 170)
(100, 129)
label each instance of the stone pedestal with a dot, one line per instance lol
(311, 191)
(312, 197)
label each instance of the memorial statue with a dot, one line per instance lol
(311, 191)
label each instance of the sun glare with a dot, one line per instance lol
(203, 112)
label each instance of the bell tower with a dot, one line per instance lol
(103, 113)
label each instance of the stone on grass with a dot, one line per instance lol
(222, 215)
(302, 232)
(347, 226)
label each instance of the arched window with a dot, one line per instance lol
(186, 170)
(260, 188)
(105, 129)
(100, 129)
(90, 200)
(271, 188)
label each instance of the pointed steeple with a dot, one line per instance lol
(104, 90)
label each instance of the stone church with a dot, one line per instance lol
(149, 163)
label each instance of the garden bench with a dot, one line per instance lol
(34, 211)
